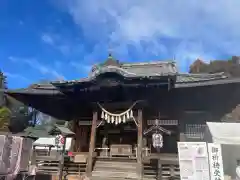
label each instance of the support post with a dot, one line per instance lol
(159, 169)
(33, 162)
(140, 144)
(92, 144)
(61, 163)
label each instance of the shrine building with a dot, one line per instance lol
(134, 111)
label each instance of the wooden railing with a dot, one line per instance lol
(52, 167)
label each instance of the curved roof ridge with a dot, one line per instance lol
(111, 68)
(149, 63)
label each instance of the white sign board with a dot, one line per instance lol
(193, 160)
(215, 161)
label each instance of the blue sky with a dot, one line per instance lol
(62, 39)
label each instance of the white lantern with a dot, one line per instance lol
(157, 140)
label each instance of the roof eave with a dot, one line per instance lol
(34, 91)
(208, 83)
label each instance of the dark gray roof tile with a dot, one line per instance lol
(64, 130)
(157, 68)
(188, 78)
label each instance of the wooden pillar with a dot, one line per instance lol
(92, 144)
(61, 163)
(33, 161)
(140, 145)
(181, 127)
(159, 169)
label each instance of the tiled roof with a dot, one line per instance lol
(131, 70)
(181, 80)
(64, 130)
(188, 78)
(39, 89)
(157, 68)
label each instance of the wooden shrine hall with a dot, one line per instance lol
(134, 113)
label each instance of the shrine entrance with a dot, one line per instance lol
(114, 141)
(117, 134)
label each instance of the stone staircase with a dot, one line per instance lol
(127, 169)
(114, 169)
(168, 171)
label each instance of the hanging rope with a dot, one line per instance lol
(118, 118)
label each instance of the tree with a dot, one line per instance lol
(5, 113)
(230, 67)
(5, 116)
(13, 114)
(21, 119)
(3, 81)
(3, 85)
(21, 116)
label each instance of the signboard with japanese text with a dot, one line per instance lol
(193, 160)
(215, 161)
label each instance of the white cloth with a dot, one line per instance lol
(238, 173)
(41, 142)
(224, 133)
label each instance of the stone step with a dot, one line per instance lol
(110, 174)
(115, 163)
(122, 170)
(114, 169)
(100, 178)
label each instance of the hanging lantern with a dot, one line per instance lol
(157, 140)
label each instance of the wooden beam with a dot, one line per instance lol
(140, 145)
(124, 105)
(92, 144)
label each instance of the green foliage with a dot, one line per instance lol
(14, 115)
(3, 81)
(5, 116)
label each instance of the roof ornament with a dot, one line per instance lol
(110, 54)
(111, 61)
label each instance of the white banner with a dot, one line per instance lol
(193, 160)
(215, 160)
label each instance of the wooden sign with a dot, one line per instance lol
(89, 123)
(193, 161)
(163, 122)
(215, 160)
